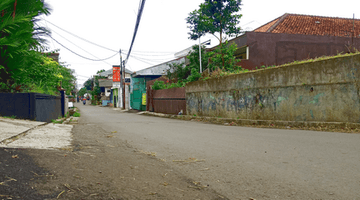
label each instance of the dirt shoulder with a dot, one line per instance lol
(101, 166)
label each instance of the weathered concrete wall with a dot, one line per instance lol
(326, 90)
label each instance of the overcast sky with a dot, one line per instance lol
(162, 31)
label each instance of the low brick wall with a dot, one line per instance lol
(324, 91)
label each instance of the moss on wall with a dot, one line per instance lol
(323, 90)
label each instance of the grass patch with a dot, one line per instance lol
(76, 114)
(9, 117)
(57, 121)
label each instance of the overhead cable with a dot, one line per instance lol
(80, 47)
(79, 54)
(141, 60)
(141, 8)
(81, 37)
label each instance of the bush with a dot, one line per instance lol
(76, 114)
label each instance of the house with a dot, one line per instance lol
(292, 37)
(141, 77)
(110, 86)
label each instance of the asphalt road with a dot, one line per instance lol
(242, 162)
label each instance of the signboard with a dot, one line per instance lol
(144, 99)
(116, 85)
(116, 74)
(70, 104)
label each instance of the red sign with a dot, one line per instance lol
(116, 74)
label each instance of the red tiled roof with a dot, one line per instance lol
(312, 25)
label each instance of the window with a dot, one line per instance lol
(242, 53)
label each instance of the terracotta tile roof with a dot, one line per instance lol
(267, 26)
(312, 25)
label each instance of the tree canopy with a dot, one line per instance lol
(215, 16)
(23, 66)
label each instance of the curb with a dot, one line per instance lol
(16, 137)
(313, 125)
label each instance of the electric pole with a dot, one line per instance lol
(123, 89)
(121, 78)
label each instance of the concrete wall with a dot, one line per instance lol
(325, 91)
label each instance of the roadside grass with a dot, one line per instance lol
(9, 117)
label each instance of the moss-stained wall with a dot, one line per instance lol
(325, 90)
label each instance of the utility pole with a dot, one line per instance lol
(200, 55)
(123, 89)
(121, 78)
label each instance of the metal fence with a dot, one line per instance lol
(168, 101)
(33, 106)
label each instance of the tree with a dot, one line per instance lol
(20, 43)
(82, 92)
(224, 57)
(215, 16)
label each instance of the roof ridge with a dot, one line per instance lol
(308, 15)
(278, 22)
(266, 23)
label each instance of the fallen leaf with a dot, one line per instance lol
(114, 132)
(152, 193)
(60, 194)
(15, 156)
(196, 183)
(67, 186)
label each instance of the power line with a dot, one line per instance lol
(151, 60)
(80, 47)
(141, 8)
(162, 55)
(81, 37)
(141, 60)
(79, 54)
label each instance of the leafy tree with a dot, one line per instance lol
(98, 72)
(215, 17)
(194, 59)
(179, 74)
(92, 85)
(176, 71)
(22, 66)
(88, 84)
(82, 92)
(228, 62)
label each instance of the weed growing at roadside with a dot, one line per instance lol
(10, 117)
(76, 114)
(57, 121)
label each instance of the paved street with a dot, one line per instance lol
(241, 162)
(117, 155)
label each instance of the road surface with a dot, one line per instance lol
(243, 162)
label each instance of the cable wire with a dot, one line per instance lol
(81, 37)
(79, 54)
(80, 47)
(141, 8)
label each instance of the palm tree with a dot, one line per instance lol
(19, 34)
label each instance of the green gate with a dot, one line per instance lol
(139, 89)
